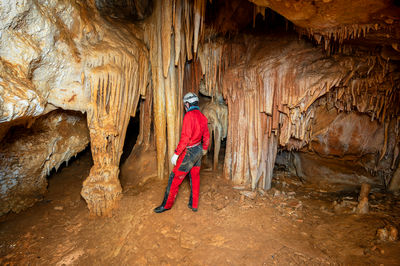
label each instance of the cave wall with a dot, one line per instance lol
(64, 54)
(345, 150)
(28, 154)
(273, 87)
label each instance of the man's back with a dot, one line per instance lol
(194, 131)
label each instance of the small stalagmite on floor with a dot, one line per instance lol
(363, 206)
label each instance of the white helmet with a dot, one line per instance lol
(190, 98)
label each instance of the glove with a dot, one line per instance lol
(204, 152)
(174, 159)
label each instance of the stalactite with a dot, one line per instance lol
(171, 109)
(172, 36)
(178, 31)
(341, 33)
(154, 33)
(115, 82)
(258, 10)
(197, 14)
(285, 89)
(166, 25)
(144, 137)
(188, 28)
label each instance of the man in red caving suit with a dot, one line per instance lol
(187, 157)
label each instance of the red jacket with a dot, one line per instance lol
(194, 130)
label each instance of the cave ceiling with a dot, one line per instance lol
(361, 23)
(373, 21)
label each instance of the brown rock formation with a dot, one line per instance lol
(341, 20)
(272, 93)
(29, 154)
(66, 55)
(217, 115)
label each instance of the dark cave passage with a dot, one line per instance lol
(132, 133)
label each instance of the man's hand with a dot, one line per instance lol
(174, 159)
(204, 152)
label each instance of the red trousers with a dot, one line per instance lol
(188, 164)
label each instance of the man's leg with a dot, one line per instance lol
(175, 179)
(173, 189)
(189, 159)
(194, 176)
(195, 187)
(191, 191)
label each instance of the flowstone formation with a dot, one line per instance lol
(277, 91)
(217, 114)
(65, 55)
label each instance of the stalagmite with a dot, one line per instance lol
(363, 206)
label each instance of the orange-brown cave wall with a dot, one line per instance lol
(286, 94)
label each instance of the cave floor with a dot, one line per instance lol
(290, 224)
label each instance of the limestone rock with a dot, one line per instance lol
(64, 54)
(126, 9)
(340, 19)
(395, 181)
(387, 233)
(363, 206)
(29, 154)
(217, 115)
(249, 194)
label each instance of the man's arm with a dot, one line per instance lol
(185, 135)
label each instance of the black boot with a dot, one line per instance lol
(160, 209)
(193, 209)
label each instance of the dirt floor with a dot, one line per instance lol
(291, 224)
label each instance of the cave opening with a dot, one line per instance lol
(132, 133)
